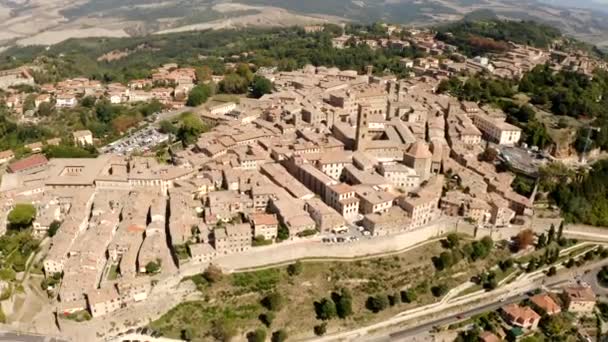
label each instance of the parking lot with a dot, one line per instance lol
(351, 232)
(143, 140)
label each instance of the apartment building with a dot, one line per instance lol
(342, 198)
(83, 138)
(390, 222)
(103, 301)
(265, 225)
(333, 163)
(400, 175)
(233, 239)
(496, 130)
(579, 299)
(372, 200)
(326, 218)
(422, 205)
(202, 252)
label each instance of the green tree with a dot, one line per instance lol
(560, 231)
(325, 309)
(295, 268)
(439, 290)
(234, 84)
(22, 216)
(150, 108)
(105, 111)
(258, 335)
(260, 87)
(88, 101)
(186, 334)
(551, 234)
(267, 318)
(320, 329)
(283, 233)
(244, 71)
(203, 74)
(542, 241)
(377, 303)
(602, 276)
(279, 336)
(223, 330)
(165, 126)
(452, 241)
(46, 109)
(408, 296)
(53, 228)
(153, 267)
(471, 335)
(273, 301)
(191, 127)
(446, 259)
(344, 303)
(198, 95)
(504, 265)
(213, 274)
(29, 103)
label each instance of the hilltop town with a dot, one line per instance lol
(328, 158)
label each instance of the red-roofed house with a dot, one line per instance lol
(579, 299)
(265, 225)
(546, 304)
(487, 336)
(520, 316)
(6, 156)
(31, 163)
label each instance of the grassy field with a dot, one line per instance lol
(233, 303)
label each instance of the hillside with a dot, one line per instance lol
(51, 21)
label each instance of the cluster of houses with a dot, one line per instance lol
(80, 138)
(168, 84)
(328, 149)
(512, 64)
(521, 320)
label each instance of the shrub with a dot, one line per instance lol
(439, 290)
(258, 335)
(377, 303)
(408, 296)
(212, 274)
(325, 309)
(320, 329)
(279, 336)
(267, 318)
(295, 268)
(273, 301)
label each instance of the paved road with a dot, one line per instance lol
(16, 337)
(448, 312)
(591, 279)
(410, 333)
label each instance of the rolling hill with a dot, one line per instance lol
(44, 22)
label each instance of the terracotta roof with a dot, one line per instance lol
(487, 336)
(27, 163)
(341, 188)
(580, 294)
(520, 314)
(419, 150)
(266, 219)
(545, 302)
(7, 154)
